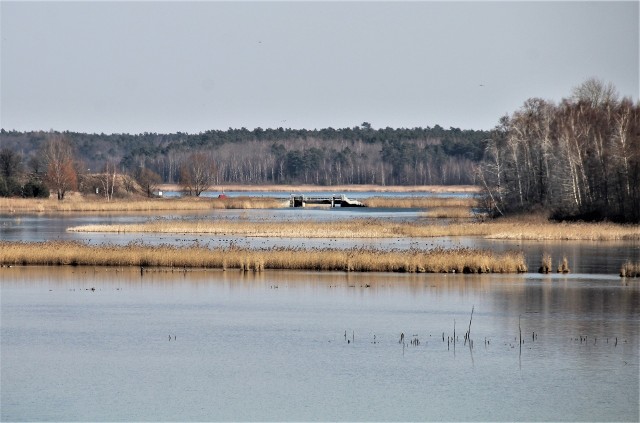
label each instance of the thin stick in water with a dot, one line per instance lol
(520, 330)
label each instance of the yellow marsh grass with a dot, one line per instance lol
(563, 266)
(630, 270)
(419, 202)
(359, 260)
(82, 204)
(448, 213)
(546, 264)
(514, 229)
(375, 228)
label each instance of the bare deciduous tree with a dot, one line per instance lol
(595, 92)
(148, 180)
(197, 173)
(61, 174)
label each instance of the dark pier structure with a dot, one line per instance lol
(332, 200)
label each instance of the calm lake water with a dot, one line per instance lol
(310, 346)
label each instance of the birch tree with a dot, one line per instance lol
(108, 179)
(578, 160)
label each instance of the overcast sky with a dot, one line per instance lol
(192, 66)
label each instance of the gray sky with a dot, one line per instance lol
(192, 66)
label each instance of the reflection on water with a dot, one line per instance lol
(93, 344)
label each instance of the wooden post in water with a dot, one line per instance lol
(468, 334)
(520, 330)
(469, 331)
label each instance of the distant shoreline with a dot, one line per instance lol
(332, 188)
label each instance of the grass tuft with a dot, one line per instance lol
(546, 264)
(630, 270)
(563, 266)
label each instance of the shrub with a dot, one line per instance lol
(35, 189)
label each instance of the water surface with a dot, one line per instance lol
(315, 346)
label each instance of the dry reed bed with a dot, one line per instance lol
(22, 205)
(360, 260)
(376, 228)
(563, 231)
(419, 202)
(448, 213)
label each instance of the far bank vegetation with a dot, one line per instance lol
(360, 155)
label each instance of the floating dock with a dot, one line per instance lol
(333, 201)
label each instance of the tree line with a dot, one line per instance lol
(358, 155)
(579, 159)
